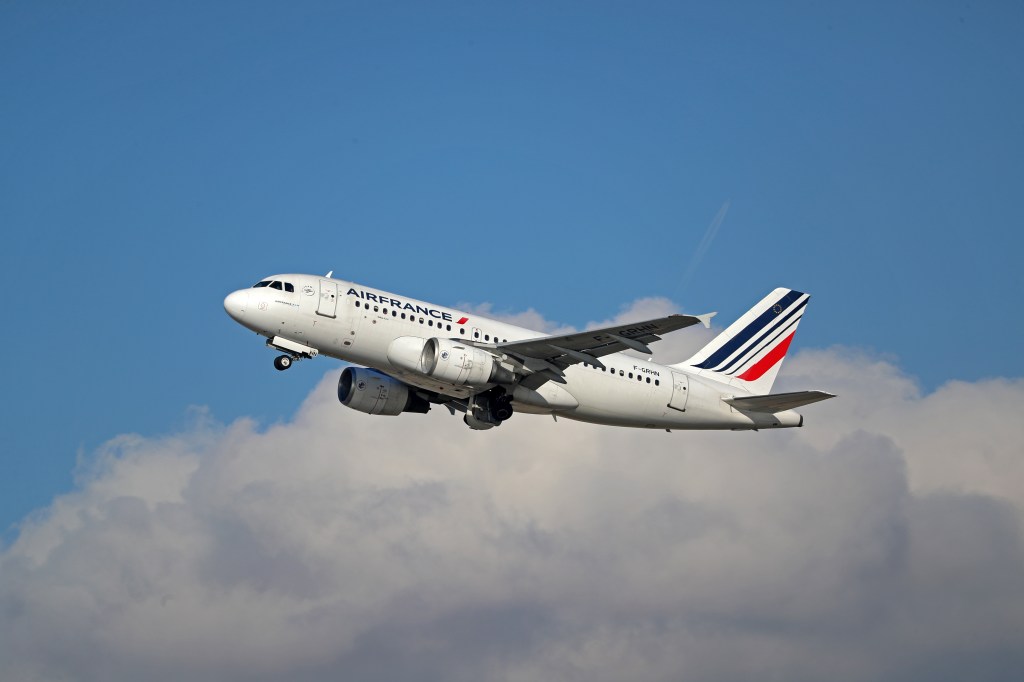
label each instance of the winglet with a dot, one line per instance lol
(705, 319)
(328, 275)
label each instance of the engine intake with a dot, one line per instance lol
(374, 392)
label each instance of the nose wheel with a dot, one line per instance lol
(293, 352)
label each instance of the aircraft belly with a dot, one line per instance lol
(608, 400)
(549, 396)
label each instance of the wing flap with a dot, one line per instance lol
(778, 402)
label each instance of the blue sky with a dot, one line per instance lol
(563, 156)
(171, 507)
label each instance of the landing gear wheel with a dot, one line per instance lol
(282, 362)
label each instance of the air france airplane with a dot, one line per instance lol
(417, 354)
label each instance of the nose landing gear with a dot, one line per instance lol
(293, 351)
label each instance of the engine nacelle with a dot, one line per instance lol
(373, 392)
(459, 364)
(407, 352)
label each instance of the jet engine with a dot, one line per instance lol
(374, 392)
(459, 364)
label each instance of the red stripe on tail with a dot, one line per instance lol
(767, 362)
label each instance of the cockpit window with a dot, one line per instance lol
(274, 284)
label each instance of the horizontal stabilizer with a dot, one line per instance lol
(778, 402)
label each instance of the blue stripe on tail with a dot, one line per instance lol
(762, 321)
(771, 330)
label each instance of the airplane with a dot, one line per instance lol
(408, 355)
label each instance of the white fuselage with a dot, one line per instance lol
(358, 324)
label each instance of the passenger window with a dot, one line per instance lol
(403, 316)
(357, 304)
(630, 375)
(376, 309)
(657, 383)
(394, 313)
(487, 337)
(430, 323)
(289, 287)
(462, 330)
(448, 327)
(421, 320)
(385, 311)
(648, 380)
(476, 335)
(620, 373)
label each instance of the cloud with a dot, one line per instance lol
(881, 541)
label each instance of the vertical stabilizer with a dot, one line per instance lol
(749, 353)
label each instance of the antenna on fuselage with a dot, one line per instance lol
(328, 275)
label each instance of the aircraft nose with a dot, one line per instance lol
(235, 303)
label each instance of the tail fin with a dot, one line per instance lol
(749, 353)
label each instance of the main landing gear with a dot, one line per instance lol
(502, 408)
(282, 362)
(489, 409)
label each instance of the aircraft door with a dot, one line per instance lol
(328, 303)
(680, 390)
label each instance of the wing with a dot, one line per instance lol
(547, 356)
(778, 402)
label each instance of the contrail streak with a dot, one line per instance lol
(705, 246)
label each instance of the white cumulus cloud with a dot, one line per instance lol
(881, 541)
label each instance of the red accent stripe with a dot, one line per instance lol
(462, 320)
(767, 362)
